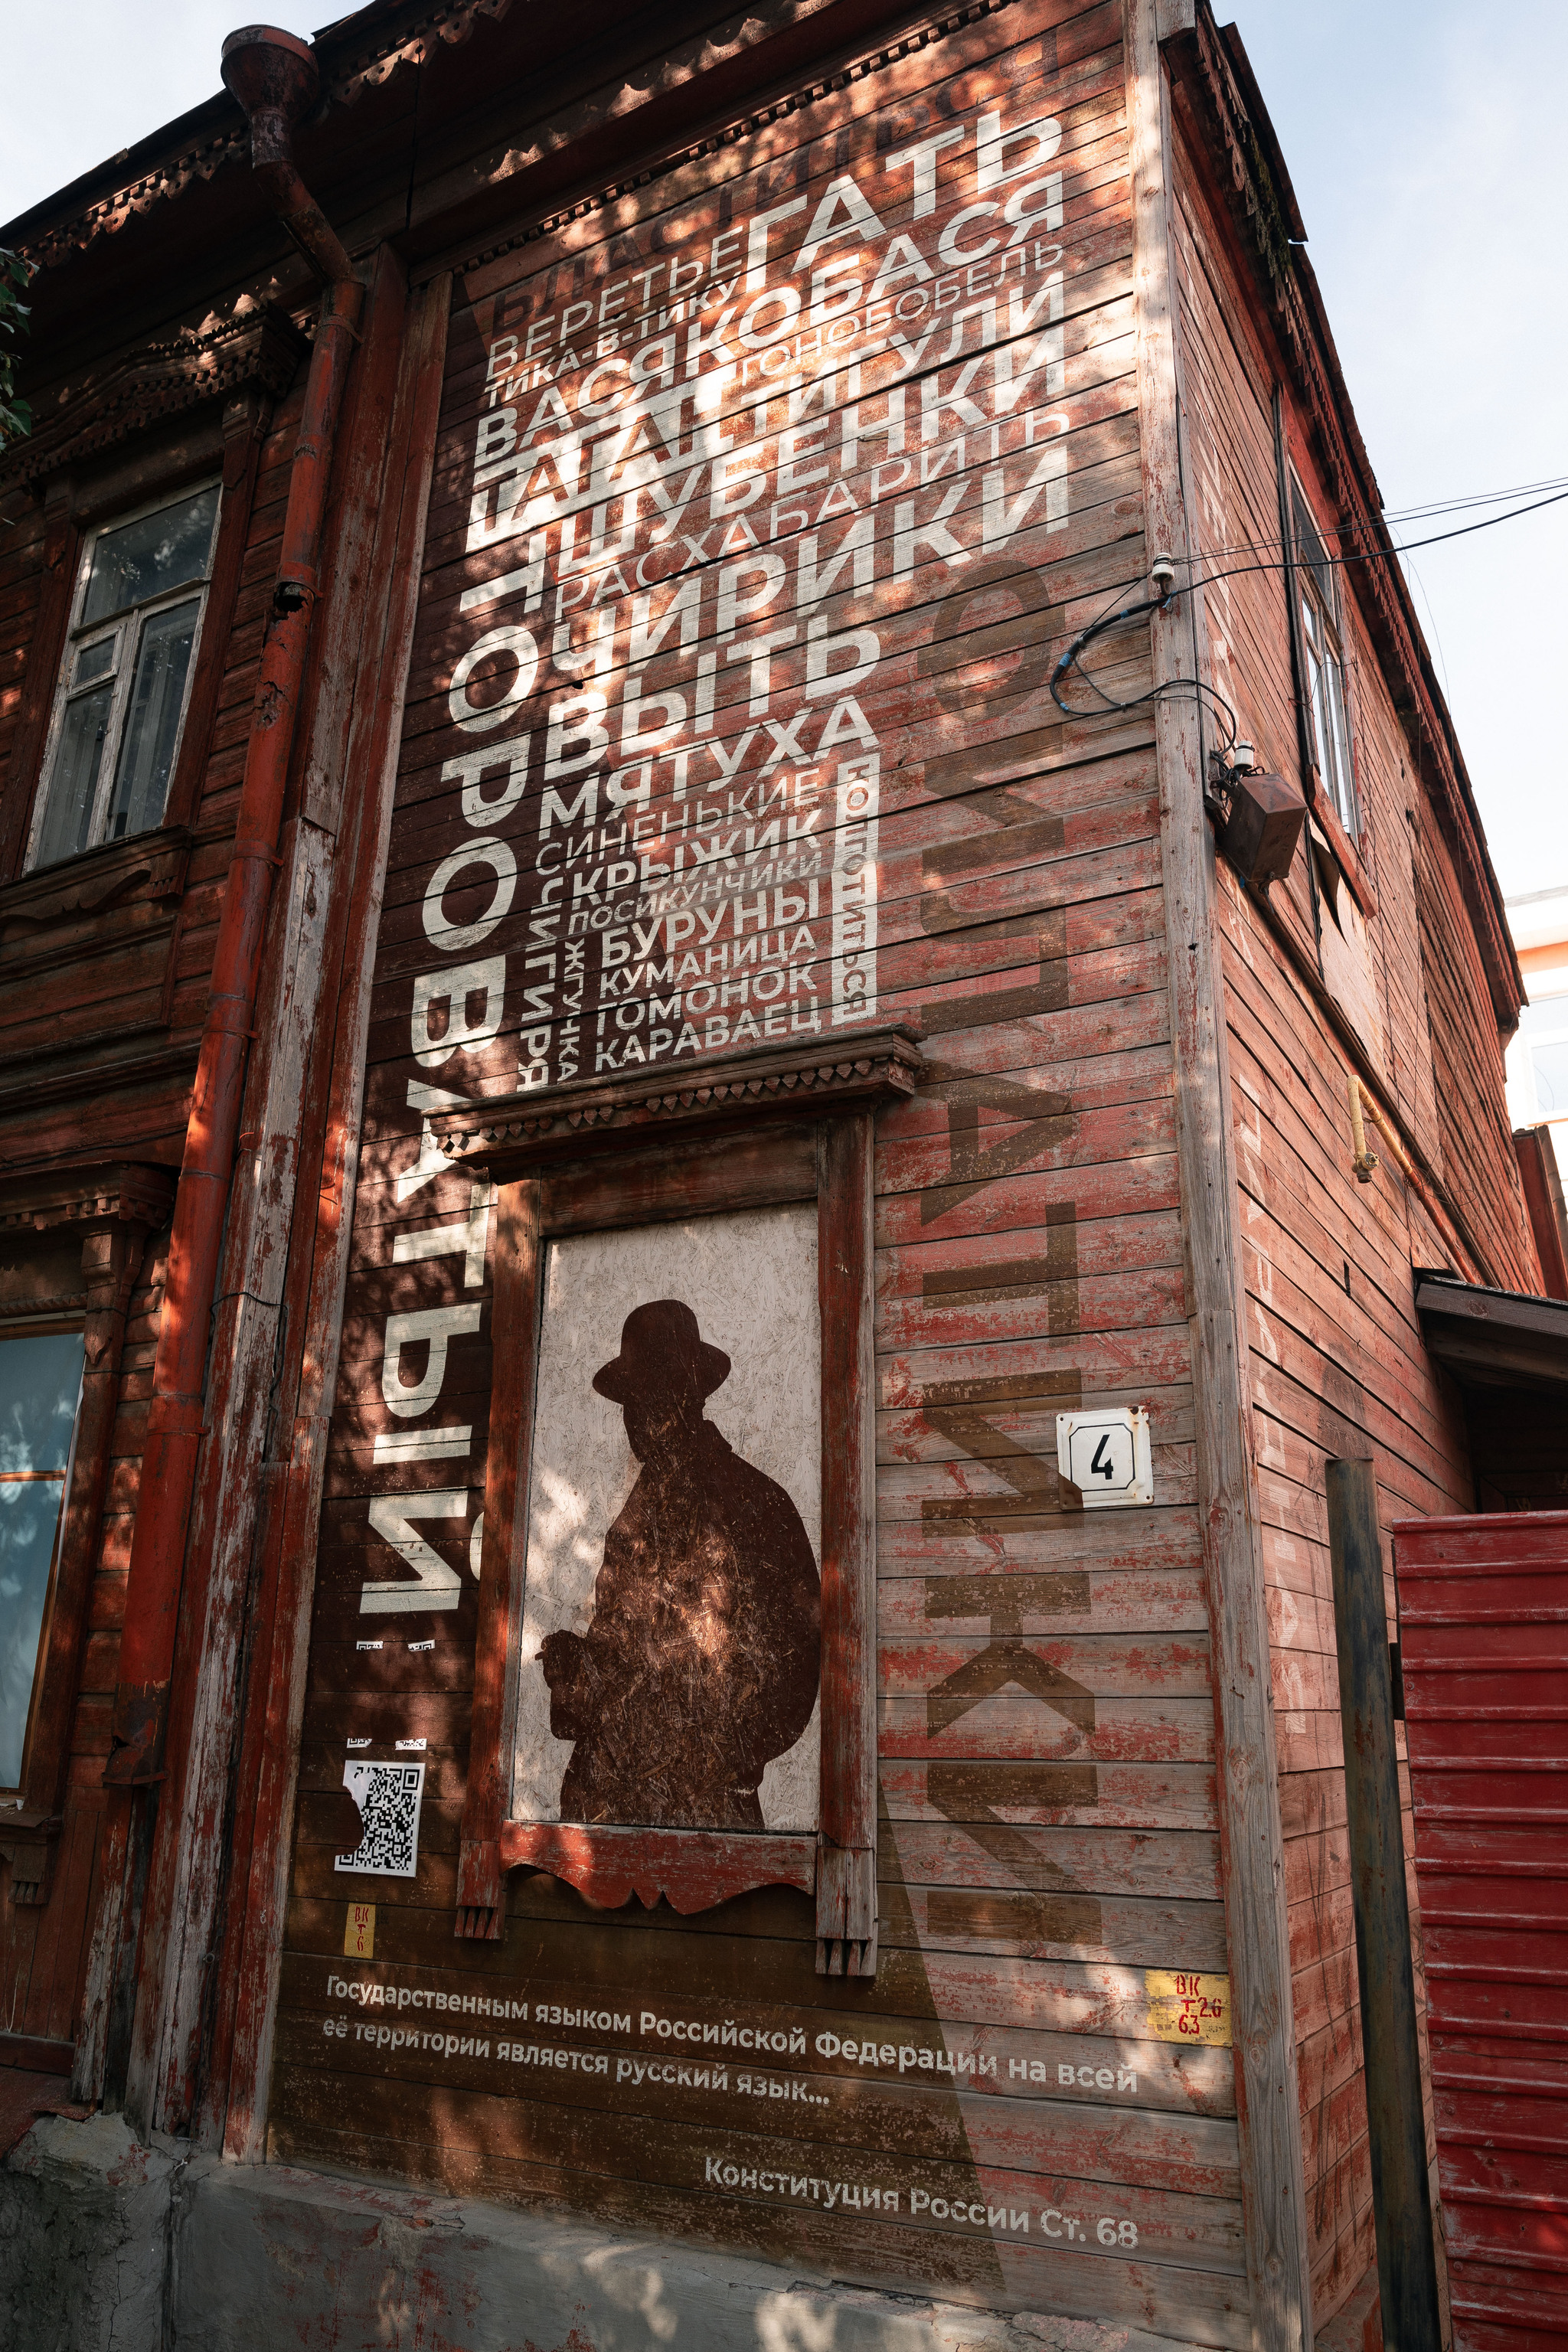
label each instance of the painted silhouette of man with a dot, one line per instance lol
(702, 1657)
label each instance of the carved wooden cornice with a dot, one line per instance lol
(728, 134)
(149, 866)
(410, 45)
(1273, 237)
(65, 239)
(508, 1136)
(119, 1192)
(260, 346)
(364, 68)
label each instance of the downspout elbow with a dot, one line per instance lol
(276, 79)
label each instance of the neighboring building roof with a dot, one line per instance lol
(1492, 1338)
(1540, 919)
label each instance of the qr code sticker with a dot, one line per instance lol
(388, 1799)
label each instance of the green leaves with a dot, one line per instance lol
(16, 414)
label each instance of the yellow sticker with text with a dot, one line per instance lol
(359, 1933)
(1183, 2008)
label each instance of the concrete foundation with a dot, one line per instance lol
(108, 2246)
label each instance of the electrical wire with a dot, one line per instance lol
(1105, 622)
(1171, 688)
(1400, 514)
(1382, 554)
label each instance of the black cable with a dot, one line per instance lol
(1168, 687)
(1400, 514)
(1382, 554)
(1071, 658)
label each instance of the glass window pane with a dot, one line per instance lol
(1547, 1016)
(153, 724)
(29, 1514)
(1314, 727)
(1345, 789)
(1310, 622)
(67, 819)
(144, 559)
(1311, 550)
(1323, 720)
(41, 1378)
(1550, 1067)
(95, 661)
(40, 1384)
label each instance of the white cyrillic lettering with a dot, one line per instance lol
(922, 157)
(471, 768)
(519, 645)
(452, 938)
(992, 166)
(455, 990)
(437, 1325)
(439, 1585)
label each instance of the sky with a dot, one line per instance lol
(1419, 136)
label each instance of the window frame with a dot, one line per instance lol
(1323, 655)
(1553, 1035)
(112, 1209)
(756, 1129)
(130, 620)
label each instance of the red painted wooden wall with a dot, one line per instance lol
(1483, 1614)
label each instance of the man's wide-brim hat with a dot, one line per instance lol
(662, 1350)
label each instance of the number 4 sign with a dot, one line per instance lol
(1106, 1455)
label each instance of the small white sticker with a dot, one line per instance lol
(357, 1743)
(411, 1744)
(388, 1799)
(1106, 1455)
(368, 1646)
(421, 1645)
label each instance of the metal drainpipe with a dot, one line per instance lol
(274, 76)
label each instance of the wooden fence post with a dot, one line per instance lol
(1401, 2198)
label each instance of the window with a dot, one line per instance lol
(123, 685)
(40, 1388)
(1543, 1032)
(1324, 681)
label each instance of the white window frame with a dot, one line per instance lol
(1528, 1039)
(1323, 652)
(125, 629)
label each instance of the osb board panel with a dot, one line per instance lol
(791, 763)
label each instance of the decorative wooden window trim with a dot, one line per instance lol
(105, 655)
(736, 1130)
(74, 510)
(114, 1209)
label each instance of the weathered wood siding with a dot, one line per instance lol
(1047, 1725)
(43, 1955)
(22, 542)
(101, 1016)
(1338, 1364)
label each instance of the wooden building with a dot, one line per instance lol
(701, 676)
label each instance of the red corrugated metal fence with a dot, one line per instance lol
(1483, 1608)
